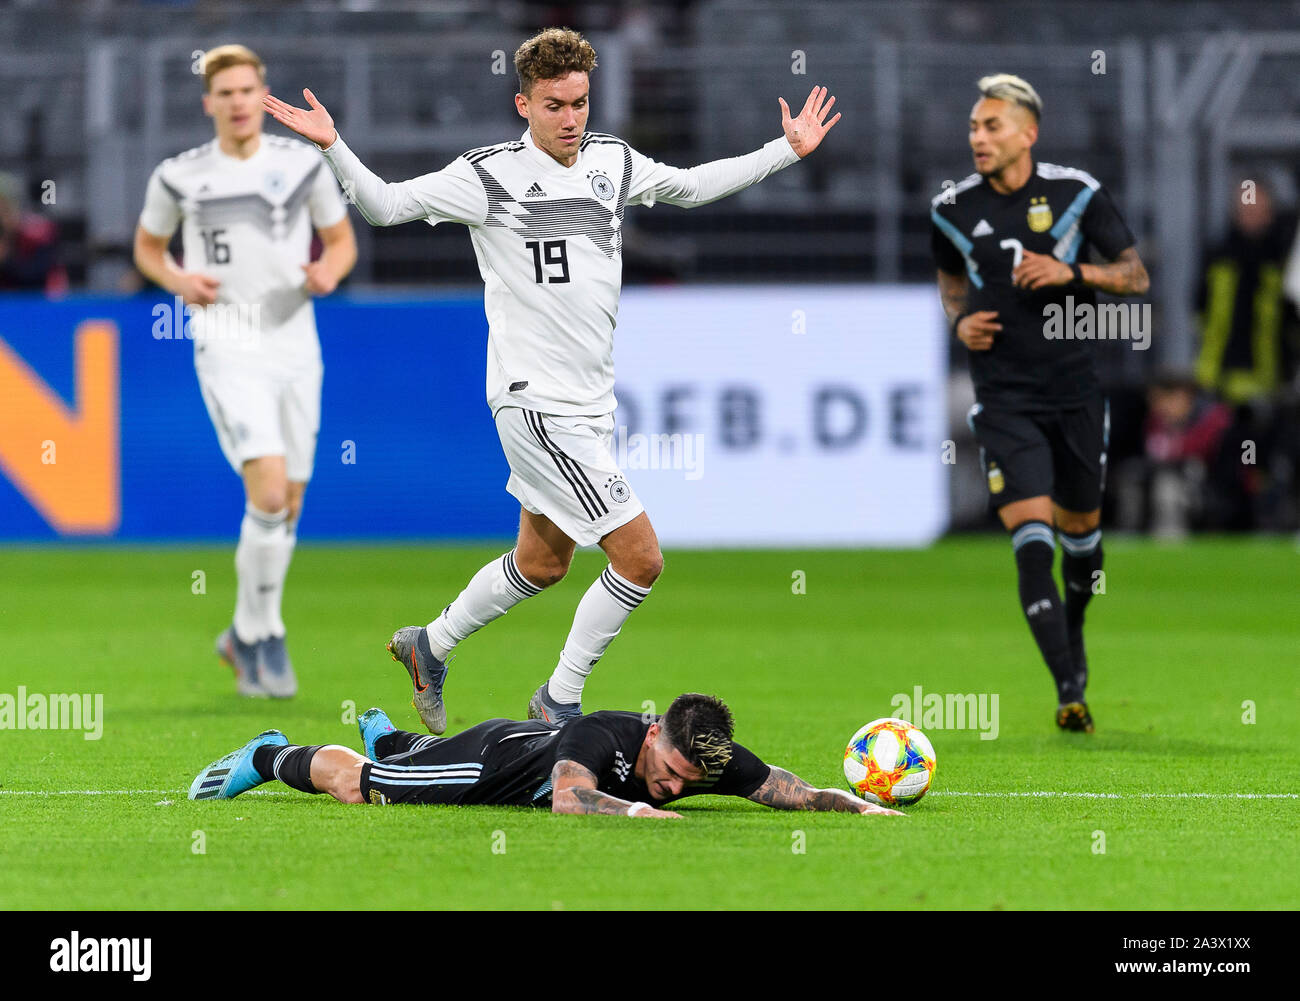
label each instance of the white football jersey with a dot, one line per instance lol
(248, 223)
(549, 247)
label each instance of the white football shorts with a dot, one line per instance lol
(261, 411)
(561, 467)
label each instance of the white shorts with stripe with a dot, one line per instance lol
(561, 467)
(260, 411)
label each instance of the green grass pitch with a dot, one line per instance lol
(1183, 636)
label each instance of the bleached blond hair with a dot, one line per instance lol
(1017, 90)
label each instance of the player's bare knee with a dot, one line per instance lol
(269, 497)
(1077, 524)
(651, 568)
(642, 568)
(543, 571)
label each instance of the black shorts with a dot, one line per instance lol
(1059, 454)
(499, 761)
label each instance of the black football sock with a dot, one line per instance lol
(290, 764)
(1035, 549)
(1080, 563)
(399, 742)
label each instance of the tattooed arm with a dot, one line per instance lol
(573, 790)
(1125, 275)
(786, 791)
(953, 291)
(976, 330)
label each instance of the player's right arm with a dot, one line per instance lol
(573, 790)
(156, 264)
(158, 221)
(975, 330)
(453, 194)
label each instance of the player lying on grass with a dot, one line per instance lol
(622, 763)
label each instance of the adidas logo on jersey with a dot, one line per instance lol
(535, 191)
(982, 228)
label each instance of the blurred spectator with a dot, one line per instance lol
(1247, 330)
(1248, 356)
(28, 246)
(1180, 480)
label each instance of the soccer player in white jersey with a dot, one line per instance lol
(545, 214)
(248, 204)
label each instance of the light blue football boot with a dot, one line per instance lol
(373, 724)
(234, 773)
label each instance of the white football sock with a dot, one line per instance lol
(283, 556)
(600, 615)
(491, 592)
(261, 562)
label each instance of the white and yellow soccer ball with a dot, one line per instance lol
(889, 762)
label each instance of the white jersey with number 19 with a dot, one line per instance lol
(549, 246)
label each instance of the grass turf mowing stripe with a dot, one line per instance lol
(1193, 689)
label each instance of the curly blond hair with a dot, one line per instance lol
(551, 54)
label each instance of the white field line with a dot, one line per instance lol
(1124, 795)
(938, 792)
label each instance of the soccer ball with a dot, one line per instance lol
(889, 762)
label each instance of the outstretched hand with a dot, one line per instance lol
(316, 124)
(805, 133)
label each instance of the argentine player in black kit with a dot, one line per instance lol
(1011, 242)
(619, 763)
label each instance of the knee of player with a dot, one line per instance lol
(545, 573)
(654, 566)
(1078, 524)
(645, 569)
(270, 498)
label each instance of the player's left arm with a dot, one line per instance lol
(689, 187)
(1125, 275)
(336, 260)
(1103, 227)
(787, 791)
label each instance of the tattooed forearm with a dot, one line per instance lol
(1126, 275)
(953, 293)
(786, 791)
(595, 801)
(575, 792)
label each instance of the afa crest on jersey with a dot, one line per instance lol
(1040, 214)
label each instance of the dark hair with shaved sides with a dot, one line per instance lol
(700, 727)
